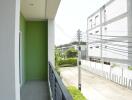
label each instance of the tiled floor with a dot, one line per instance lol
(35, 90)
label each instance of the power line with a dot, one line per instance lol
(115, 45)
(112, 36)
(119, 45)
(119, 50)
(114, 51)
(105, 40)
(62, 30)
(115, 48)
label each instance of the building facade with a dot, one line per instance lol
(109, 33)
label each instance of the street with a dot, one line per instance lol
(95, 87)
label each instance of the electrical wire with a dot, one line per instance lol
(117, 49)
(109, 40)
(115, 45)
(114, 51)
(119, 45)
(62, 30)
(117, 53)
(112, 36)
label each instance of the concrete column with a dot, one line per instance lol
(9, 50)
(51, 41)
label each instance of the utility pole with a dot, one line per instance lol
(79, 59)
(101, 49)
(87, 42)
(122, 75)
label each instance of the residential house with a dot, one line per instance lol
(63, 48)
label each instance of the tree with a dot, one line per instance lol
(58, 55)
(71, 53)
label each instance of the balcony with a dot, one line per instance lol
(35, 90)
(53, 89)
(38, 79)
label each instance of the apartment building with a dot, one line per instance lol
(109, 32)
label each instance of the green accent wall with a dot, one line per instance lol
(36, 50)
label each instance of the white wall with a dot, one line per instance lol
(51, 41)
(9, 50)
(117, 28)
(116, 8)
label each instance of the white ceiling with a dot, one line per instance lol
(39, 9)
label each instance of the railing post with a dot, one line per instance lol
(58, 90)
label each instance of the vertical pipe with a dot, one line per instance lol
(87, 55)
(101, 52)
(122, 75)
(129, 9)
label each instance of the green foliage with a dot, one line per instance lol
(68, 62)
(71, 53)
(114, 65)
(58, 56)
(57, 70)
(76, 94)
(130, 67)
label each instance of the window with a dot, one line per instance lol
(97, 46)
(91, 47)
(90, 22)
(96, 31)
(91, 33)
(96, 19)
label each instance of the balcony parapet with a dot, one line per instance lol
(57, 89)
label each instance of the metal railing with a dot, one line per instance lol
(57, 89)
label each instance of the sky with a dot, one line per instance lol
(71, 16)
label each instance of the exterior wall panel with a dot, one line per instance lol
(36, 50)
(114, 36)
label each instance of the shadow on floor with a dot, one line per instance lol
(35, 90)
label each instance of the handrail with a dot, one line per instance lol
(58, 90)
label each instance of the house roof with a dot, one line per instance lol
(71, 44)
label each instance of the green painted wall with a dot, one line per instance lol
(36, 50)
(23, 45)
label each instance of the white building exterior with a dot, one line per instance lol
(110, 32)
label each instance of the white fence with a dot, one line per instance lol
(104, 71)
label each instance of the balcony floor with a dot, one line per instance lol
(35, 90)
